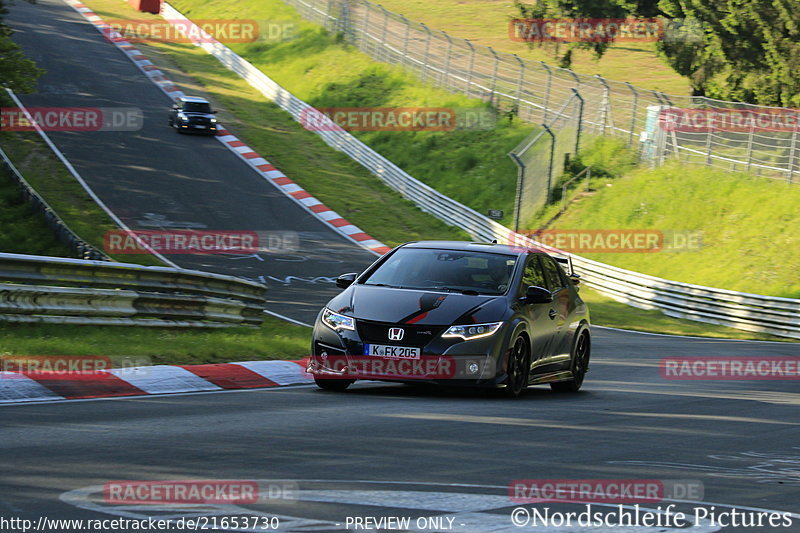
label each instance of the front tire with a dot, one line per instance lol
(335, 385)
(519, 366)
(581, 352)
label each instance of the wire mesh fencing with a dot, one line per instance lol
(534, 91)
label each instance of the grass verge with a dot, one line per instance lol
(275, 339)
(486, 23)
(24, 230)
(747, 226)
(21, 231)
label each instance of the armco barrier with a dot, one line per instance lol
(74, 291)
(63, 233)
(750, 312)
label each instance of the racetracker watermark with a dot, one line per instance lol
(71, 118)
(604, 490)
(730, 368)
(199, 31)
(404, 367)
(597, 30)
(617, 240)
(197, 492)
(200, 242)
(73, 367)
(398, 119)
(733, 120)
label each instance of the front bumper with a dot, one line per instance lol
(444, 361)
(189, 127)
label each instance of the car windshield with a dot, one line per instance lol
(450, 270)
(196, 107)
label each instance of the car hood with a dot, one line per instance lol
(406, 306)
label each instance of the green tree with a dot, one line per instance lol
(749, 50)
(591, 9)
(17, 72)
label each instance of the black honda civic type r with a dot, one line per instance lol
(455, 313)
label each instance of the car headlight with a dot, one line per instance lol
(213, 121)
(181, 116)
(472, 331)
(335, 321)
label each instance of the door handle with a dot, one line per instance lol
(552, 314)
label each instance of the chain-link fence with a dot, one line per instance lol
(535, 90)
(541, 157)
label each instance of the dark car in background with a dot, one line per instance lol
(489, 315)
(192, 114)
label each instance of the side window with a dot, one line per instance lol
(551, 272)
(532, 275)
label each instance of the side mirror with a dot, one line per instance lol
(175, 107)
(576, 279)
(345, 280)
(213, 111)
(537, 295)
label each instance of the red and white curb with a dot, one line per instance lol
(247, 154)
(21, 387)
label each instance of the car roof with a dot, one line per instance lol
(473, 247)
(194, 99)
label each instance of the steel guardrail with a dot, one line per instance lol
(75, 291)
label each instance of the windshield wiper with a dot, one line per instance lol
(470, 292)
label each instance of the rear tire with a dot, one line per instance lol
(519, 366)
(336, 385)
(581, 351)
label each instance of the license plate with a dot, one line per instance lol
(200, 127)
(393, 352)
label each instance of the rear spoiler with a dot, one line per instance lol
(566, 262)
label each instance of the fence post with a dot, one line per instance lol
(520, 79)
(471, 66)
(605, 103)
(343, 23)
(328, 9)
(750, 146)
(494, 74)
(633, 112)
(547, 87)
(385, 28)
(365, 31)
(405, 38)
(427, 50)
(520, 185)
(446, 74)
(574, 76)
(580, 119)
(792, 154)
(552, 160)
(708, 145)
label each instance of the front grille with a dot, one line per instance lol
(413, 335)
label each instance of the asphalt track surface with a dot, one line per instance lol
(380, 449)
(155, 179)
(422, 452)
